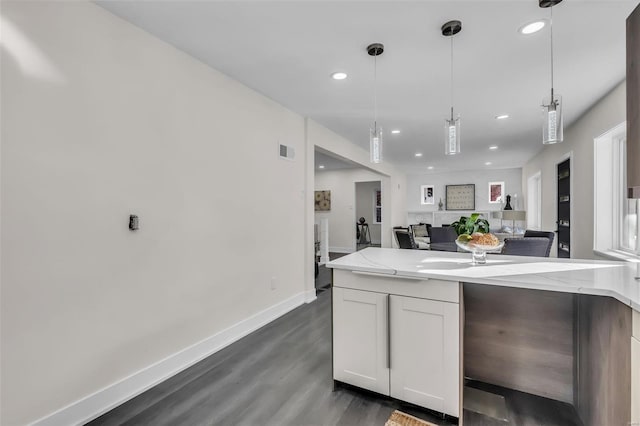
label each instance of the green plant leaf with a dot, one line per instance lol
(469, 225)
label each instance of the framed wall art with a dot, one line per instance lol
(460, 197)
(323, 201)
(426, 195)
(496, 192)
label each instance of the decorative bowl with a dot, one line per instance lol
(478, 251)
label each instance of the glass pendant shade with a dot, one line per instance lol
(452, 125)
(375, 133)
(452, 136)
(375, 144)
(552, 123)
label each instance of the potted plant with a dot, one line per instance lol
(469, 225)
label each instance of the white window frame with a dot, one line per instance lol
(609, 194)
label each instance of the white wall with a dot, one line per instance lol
(100, 120)
(512, 179)
(393, 181)
(365, 207)
(342, 217)
(578, 140)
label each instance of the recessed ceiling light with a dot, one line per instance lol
(502, 117)
(395, 132)
(430, 168)
(532, 27)
(418, 154)
(493, 147)
(339, 75)
(321, 166)
(488, 163)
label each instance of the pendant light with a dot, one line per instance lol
(452, 125)
(552, 123)
(375, 133)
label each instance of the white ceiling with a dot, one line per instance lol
(288, 49)
(331, 161)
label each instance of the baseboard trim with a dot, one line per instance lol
(341, 250)
(310, 296)
(98, 403)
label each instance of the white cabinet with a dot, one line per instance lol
(403, 346)
(360, 339)
(425, 353)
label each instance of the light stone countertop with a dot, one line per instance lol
(599, 278)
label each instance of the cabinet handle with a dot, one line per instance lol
(389, 331)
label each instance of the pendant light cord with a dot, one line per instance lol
(451, 75)
(551, 28)
(375, 93)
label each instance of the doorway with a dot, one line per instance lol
(368, 214)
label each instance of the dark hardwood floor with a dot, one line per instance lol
(323, 280)
(278, 375)
(281, 375)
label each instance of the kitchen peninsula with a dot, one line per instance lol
(413, 324)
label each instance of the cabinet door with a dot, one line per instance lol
(425, 353)
(360, 339)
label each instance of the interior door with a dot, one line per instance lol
(425, 353)
(564, 209)
(360, 339)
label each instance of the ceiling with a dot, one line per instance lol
(325, 161)
(287, 50)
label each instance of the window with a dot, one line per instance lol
(628, 226)
(615, 217)
(377, 206)
(629, 231)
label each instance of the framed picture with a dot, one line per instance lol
(460, 197)
(426, 195)
(323, 201)
(377, 206)
(496, 192)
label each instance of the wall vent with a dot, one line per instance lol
(287, 152)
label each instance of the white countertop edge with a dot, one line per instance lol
(609, 293)
(372, 269)
(511, 281)
(504, 281)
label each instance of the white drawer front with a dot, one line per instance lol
(445, 291)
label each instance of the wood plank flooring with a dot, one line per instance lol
(278, 375)
(281, 375)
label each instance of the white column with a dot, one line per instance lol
(324, 240)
